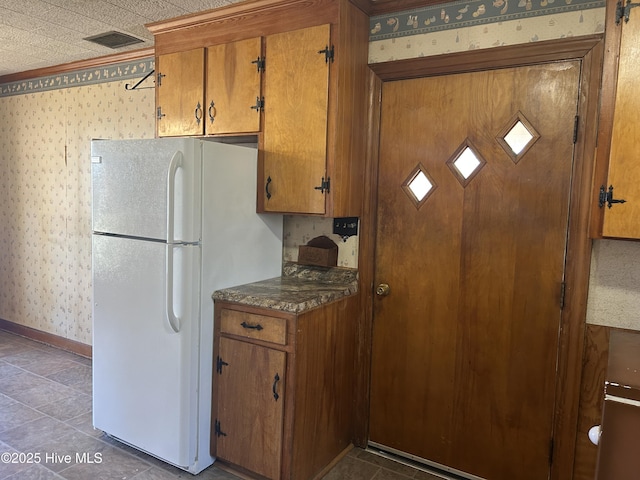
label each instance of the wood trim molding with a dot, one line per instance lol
(227, 14)
(381, 7)
(47, 338)
(594, 369)
(241, 21)
(589, 50)
(487, 59)
(577, 268)
(131, 55)
(366, 264)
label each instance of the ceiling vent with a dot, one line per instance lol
(114, 39)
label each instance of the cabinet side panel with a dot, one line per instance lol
(348, 113)
(324, 386)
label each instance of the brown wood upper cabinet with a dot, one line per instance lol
(233, 87)
(313, 142)
(313, 138)
(618, 164)
(180, 93)
(296, 88)
(230, 102)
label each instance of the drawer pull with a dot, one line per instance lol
(276, 379)
(251, 327)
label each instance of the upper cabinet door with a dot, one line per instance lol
(180, 93)
(296, 85)
(233, 87)
(623, 219)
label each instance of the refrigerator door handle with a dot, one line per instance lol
(176, 162)
(173, 320)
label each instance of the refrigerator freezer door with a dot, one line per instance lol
(147, 188)
(145, 373)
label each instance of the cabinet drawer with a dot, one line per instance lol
(260, 327)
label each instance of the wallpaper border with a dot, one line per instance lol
(89, 76)
(463, 13)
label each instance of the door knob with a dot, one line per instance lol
(382, 290)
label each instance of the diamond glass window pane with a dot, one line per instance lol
(518, 137)
(466, 163)
(420, 186)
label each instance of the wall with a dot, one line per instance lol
(46, 125)
(45, 216)
(474, 24)
(614, 284)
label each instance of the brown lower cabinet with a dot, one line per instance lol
(283, 388)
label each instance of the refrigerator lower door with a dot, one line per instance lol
(145, 354)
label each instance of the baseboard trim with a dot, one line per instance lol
(49, 338)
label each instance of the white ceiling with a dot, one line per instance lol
(43, 33)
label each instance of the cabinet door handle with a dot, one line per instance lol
(266, 188)
(198, 113)
(212, 112)
(276, 379)
(251, 327)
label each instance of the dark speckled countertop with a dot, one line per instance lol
(300, 288)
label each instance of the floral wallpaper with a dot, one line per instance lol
(474, 24)
(45, 239)
(46, 125)
(84, 77)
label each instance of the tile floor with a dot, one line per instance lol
(45, 421)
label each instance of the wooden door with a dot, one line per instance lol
(180, 93)
(623, 220)
(233, 87)
(296, 86)
(465, 338)
(251, 406)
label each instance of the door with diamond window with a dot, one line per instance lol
(473, 206)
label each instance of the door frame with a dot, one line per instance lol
(590, 51)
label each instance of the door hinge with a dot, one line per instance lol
(606, 196)
(219, 364)
(623, 10)
(159, 113)
(160, 76)
(217, 430)
(324, 185)
(259, 106)
(576, 124)
(259, 63)
(328, 53)
(551, 445)
(563, 290)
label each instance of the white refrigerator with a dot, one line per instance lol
(173, 220)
